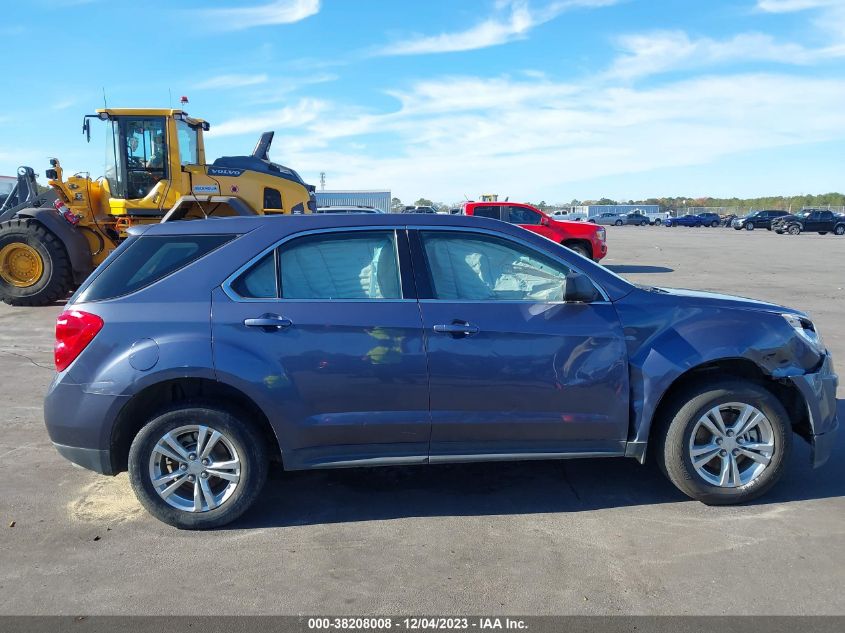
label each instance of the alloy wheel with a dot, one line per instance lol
(731, 445)
(194, 468)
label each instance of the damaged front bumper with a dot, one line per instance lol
(819, 391)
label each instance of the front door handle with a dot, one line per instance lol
(269, 322)
(457, 329)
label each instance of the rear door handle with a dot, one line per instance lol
(458, 329)
(269, 322)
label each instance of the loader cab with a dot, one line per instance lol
(146, 151)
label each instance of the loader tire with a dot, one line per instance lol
(34, 267)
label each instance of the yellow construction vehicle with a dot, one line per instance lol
(156, 171)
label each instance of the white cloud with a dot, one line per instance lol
(305, 111)
(223, 82)
(277, 12)
(512, 21)
(788, 6)
(546, 135)
(663, 51)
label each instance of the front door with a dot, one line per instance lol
(514, 370)
(328, 333)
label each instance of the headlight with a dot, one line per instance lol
(602, 234)
(806, 330)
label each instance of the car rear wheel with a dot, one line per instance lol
(793, 229)
(839, 229)
(714, 223)
(822, 232)
(197, 466)
(725, 442)
(618, 223)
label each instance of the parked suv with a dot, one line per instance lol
(710, 219)
(821, 221)
(323, 341)
(758, 220)
(585, 239)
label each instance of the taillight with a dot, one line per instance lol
(67, 214)
(74, 330)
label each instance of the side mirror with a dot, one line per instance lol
(544, 220)
(579, 289)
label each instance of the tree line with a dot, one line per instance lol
(785, 203)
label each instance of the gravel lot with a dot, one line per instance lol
(579, 537)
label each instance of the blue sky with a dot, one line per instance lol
(532, 99)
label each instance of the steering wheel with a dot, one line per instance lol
(136, 162)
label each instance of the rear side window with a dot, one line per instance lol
(147, 260)
(486, 211)
(357, 265)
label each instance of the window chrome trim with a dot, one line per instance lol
(507, 237)
(234, 296)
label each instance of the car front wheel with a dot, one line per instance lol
(197, 467)
(794, 229)
(725, 442)
(749, 226)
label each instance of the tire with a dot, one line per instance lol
(55, 279)
(644, 223)
(839, 229)
(237, 436)
(675, 442)
(749, 226)
(793, 229)
(618, 223)
(822, 232)
(714, 224)
(658, 222)
(581, 249)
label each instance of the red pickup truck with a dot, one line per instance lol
(584, 238)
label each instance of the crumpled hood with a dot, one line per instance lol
(717, 300)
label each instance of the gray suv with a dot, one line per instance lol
(200, 351)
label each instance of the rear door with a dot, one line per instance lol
(514, 371)
(326, 330)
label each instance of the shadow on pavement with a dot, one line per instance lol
(366, 494)
(621, 269)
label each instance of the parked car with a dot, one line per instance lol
(420, 210)
(822, 221)
(348, 209)
(586, 239)
(362, 339)
(684, 220)
(636, 219)
(608, 218)
(758, 220)
(710, 219)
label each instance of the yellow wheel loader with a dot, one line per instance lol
(156, 171)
